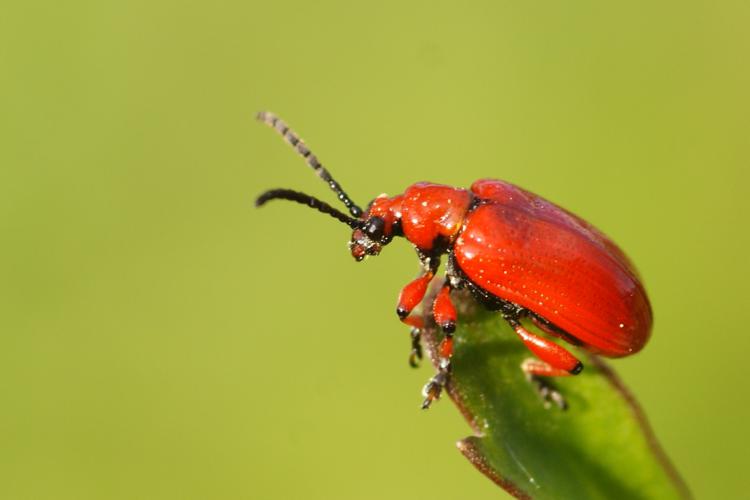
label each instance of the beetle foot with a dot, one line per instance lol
(416, 348)
(433, 388)
(547, 392)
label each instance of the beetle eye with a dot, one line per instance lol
(375, 228)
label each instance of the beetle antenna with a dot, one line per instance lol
(310, 201)
(299, 146)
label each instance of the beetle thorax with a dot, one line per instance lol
(428, 215)
(432, 214)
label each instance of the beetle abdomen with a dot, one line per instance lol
(526, 250)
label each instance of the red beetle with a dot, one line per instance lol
(516, 252)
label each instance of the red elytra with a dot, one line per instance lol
(516, 252)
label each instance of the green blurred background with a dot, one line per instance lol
(162, 339)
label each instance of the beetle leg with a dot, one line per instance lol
(434, 387)
(559, 362)
(532, 368)
(445, 316)
(416, 347)
(411, 295)
(549, 328)
(444, 310)
(554, 361)
(537, 368)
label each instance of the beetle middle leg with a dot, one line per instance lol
(445, 315)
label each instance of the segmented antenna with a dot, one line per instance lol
(310, 201)
(299, 146)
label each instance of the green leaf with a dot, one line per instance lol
(600, 447)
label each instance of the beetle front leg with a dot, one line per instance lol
(411, 295)
(416, 347)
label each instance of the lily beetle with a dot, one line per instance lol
(517, 254)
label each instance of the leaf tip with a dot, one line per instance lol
(470, 448)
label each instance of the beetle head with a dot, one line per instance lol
(380, 224)
(369, 239)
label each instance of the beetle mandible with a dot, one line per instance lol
(517, 254)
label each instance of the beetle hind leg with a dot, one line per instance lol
(554, 361)
(547, 391)
(558, 362)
